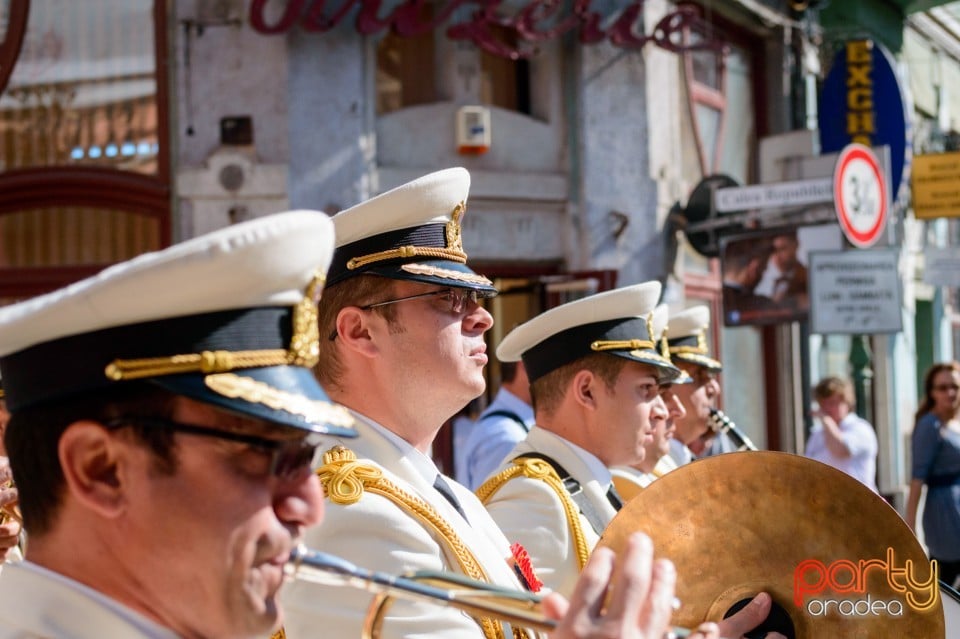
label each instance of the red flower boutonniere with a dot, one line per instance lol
(524, 569)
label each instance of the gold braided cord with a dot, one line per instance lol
(701, 346)
(404, 252)
(206, 362)
(622, 345)
(304, 349)
(279, 634)
(345, 480)
(543, 471)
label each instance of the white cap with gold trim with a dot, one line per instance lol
(227, 318)
(687, 337)
(618, 322)
(412, 232)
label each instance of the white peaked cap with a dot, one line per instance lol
(687, 337)
(198, 306)
(412, 232)
(617, 322)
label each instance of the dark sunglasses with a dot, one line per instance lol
(457, 299)
(290, 459)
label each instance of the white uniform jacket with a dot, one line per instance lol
(630, 475)
(35, 603)
(376, 533)
(529, 511)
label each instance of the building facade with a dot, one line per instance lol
(131, 124)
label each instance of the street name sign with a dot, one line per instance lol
(775, 195)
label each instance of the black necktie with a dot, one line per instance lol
(444, 489)
(614, 498)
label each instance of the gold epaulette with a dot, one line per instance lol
(345, 479)
(543, 471)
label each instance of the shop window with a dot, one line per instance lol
(415, 70)
(84, 180)
(83, 89)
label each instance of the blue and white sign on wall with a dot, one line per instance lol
(862, 102)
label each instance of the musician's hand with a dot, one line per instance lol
(641, 603)
(748, 618)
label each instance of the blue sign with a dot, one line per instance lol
(861, 101)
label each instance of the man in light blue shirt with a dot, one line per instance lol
(499, 428)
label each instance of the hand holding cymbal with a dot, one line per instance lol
(837, 560)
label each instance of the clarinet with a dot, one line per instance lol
(720, 423)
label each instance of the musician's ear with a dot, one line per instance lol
(583, 388)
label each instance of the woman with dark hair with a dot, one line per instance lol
(936, 463)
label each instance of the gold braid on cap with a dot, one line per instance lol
(540, 470)
(453, 251)
(304, 349)
(345, 480)
(622, 345)
(701, 346)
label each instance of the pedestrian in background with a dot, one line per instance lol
(936, 463)
(503, 425)
(843, 439)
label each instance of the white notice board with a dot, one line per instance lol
(855, 291)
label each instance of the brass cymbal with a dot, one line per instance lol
(834, 556)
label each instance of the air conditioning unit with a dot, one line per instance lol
(473, 130)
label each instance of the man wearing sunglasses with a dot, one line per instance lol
(164, 421)
(403, 327)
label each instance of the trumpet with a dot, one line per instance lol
(720, 423)
(518, 608)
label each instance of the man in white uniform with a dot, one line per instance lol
(656, 462)
(687, 339)
(595, 373)
(164, 419)
(596, 376)
(403, 327)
